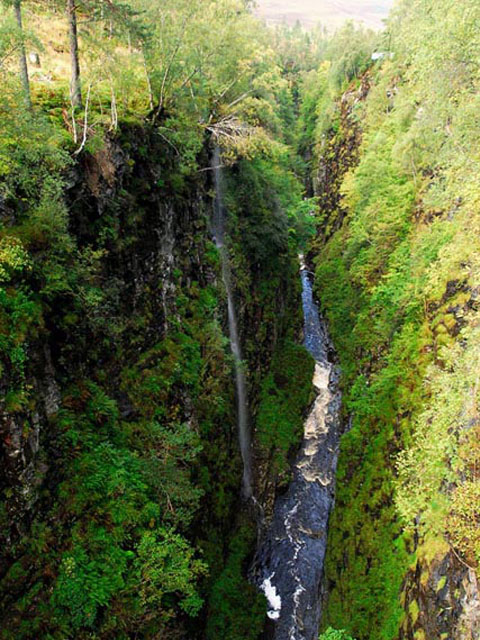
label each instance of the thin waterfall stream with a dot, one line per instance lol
(288, 566)
(218, 230)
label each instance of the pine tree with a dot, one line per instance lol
(75, 84)
(22, 56)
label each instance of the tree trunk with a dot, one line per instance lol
(149, 82)
(75, 87)
(17, 5)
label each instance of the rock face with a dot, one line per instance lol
(157, 233)
(442, 600)
(289, 563)
(337, 154)
(143, 326)
(21, 433)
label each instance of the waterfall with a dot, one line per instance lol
(218, 230)
(288, 566)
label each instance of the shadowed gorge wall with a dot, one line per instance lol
(128, 388)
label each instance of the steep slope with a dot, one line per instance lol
(118, 423)
(140, 335)
(121, 509)
(398, 275)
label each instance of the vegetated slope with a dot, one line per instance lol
(120, 490)
(120, 493)
(396, 167)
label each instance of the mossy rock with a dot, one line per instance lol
(413, 611)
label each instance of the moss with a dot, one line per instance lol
(441, 583)
(413, 611)
(432, 547)
(449, 321)
(284, 396)
(424, 578)
(237, 609)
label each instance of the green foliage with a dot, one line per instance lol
(19, 317)
(121, 488)
(87, 582)
(237, 609)
(350, 51)
(397, 273)
(284, 396)
(267, 190)
(334, 634)
(303, 222)
(168, 565)
(316, 105)
(164, 60)
(13, 258)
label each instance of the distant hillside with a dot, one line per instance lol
(331, 13)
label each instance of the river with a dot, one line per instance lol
(289, 563)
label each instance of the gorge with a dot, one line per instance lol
(200, 437)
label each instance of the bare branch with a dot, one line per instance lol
(85, 122)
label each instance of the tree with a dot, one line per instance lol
(22, 56)
(75, 85)
(350, 51)
(116, 15)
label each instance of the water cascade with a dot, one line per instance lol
(289, 562)
(218, 230)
